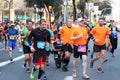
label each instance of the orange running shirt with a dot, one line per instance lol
(83, 40)
(66, 33)
(100, 33)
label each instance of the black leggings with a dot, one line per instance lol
(113, 43)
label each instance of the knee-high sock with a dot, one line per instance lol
(66, 61)
(40, 73)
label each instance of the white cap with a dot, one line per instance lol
(111, 18)
(79, 19)
(12, 24)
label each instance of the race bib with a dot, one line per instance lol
(12, 37)
(26, 43)
(114, 34)
(40, 45)
(81, 48)
(47, 48)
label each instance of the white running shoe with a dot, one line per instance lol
(20, 50)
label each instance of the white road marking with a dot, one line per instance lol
(7, 62)
(68, 78)
(2, 49)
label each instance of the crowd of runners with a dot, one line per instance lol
(40, 40)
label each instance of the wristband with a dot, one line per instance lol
(79, 36)
(93, 39)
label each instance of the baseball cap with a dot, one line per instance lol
(80, 19)
(12, 24)
(111, 19)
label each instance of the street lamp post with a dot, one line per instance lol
(2, 15)
(89, 7)
(35, 12)
(25, 12)
(2, 9)
(9, 9)
(65, 10)
(9, 2)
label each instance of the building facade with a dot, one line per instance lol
(14, 10)
(116, 10)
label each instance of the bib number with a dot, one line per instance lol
(26, 43)
(12, 37)
(47, 48)
(40, 45)
(114, 34)
(81, 48)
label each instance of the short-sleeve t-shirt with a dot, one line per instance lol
(24, 31)
(12, 33)
(51, 33)
(100, 33)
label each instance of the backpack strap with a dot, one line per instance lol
(116, 29)
(111, 29)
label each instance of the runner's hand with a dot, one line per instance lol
(73, 38)
(87, 36)
(32, 49)
(96, 40)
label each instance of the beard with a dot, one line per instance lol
(43, 28)
(69, 26)
(101, 24)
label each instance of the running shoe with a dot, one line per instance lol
(107, 48)
(100, 69)
(110, 49)
(105, 60)
(91, 57)
(24, 65)
(11, 60)
(44, 76)
(88, 50)
(20, 50)
(91, 64)
(28, 70)
(64, 68)
(32, 75)
(81, 60)
(113, 55)
(85, 76)
(74, 74)
(47, 63)
(56, 56)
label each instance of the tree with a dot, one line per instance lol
(105, 7)
(81, 6)
(74, 10)
(56, 4)
(102, 5)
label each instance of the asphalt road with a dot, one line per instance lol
(15, 71)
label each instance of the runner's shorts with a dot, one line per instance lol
(67, 47)
(39, 57)
(11, 44)
(98, 48)
(26, 49)
(40, 61)
(78, 54)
